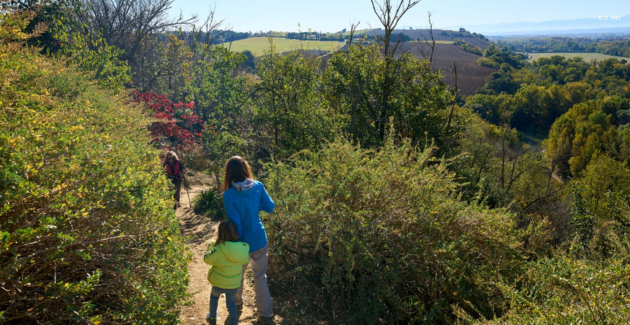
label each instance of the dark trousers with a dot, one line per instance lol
(178, 187)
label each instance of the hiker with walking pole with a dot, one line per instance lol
(174, 171)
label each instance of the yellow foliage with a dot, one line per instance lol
(79, 185)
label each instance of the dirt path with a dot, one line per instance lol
(200, 230)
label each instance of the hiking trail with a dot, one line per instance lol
(199, 230)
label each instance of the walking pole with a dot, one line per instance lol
(189, 204)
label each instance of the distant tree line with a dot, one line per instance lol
(468, 47)
(211, 37)
(616, 47)
(494, 56)
(316, 36)
(462, 33)
(225, 36)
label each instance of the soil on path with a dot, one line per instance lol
(199, 230)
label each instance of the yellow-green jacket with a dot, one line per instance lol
(226, 263)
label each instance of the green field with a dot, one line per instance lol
(586, 56)
(429, 42)
(259, 45)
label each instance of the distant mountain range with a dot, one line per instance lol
(598, 25)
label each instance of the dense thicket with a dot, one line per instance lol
(87, 232)
(381, 237)
(535, 96)
(578, 183)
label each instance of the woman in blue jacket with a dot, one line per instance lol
(243, 198)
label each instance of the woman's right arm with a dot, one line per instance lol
(266, 203)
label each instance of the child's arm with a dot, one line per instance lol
(266, 203)
(232, 213)
(212, 255)
(243, 258)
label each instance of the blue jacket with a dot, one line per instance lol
(242, 208)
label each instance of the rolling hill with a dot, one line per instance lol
(470, 76)
(259, 45)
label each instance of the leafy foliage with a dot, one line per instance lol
(86, 233)
(177, 126)
(290, 112)
(90, 52)
(565, 290)
(368, 92)
(485, 62)
(611, 46)
(208, 202)
(539, 94)
(469, 48)
(499, 169)
(601, 209)
(379, 236)
(587, 130)
(373, 227)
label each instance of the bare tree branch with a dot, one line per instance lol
(389, 21)
(353, 28)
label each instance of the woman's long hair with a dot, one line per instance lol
(170, 154)
(236, 170)
(227, 232)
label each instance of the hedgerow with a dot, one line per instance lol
(381, 237)
(86, 232)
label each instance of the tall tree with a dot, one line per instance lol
(389, 15)
(135, 26)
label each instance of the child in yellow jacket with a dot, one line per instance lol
(226, 257)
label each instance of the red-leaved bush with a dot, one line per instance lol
(178, 126)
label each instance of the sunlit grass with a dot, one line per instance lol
(585, 56)
(259, 45)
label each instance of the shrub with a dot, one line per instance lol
(86, 232)
(210, 203)
(600, 207)
(194, 158)
(89, 51)
(381, 237)
(565, 290)
(485, 62)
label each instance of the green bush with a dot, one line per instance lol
(382, 237)
(600, 208)
(86, 232)
(210, 203)
(566, 290)
(485, 62)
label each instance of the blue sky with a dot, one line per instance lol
(334, 15)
